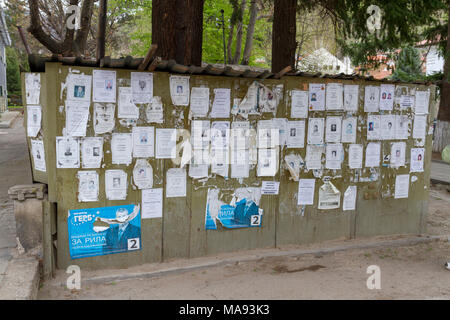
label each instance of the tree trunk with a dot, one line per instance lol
(250, 32)
(441, 133)
(230, 43)
(283, 35)
(85, 24)
(239, 33)
(177, 29)
(101, 32)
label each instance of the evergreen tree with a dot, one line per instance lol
(408, 65)
(12, 71)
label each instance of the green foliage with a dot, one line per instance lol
(408, 65)
(12, 71)
(403, 22)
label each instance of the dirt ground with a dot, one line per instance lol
(409, 272)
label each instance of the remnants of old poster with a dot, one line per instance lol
(104, 120)
(349, 202)
(329, 197)
(154, 111)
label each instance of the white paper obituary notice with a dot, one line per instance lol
(355, 156)
(121, 148)
(221, 103)
(305, 194)
(143, 142)
(67, 152)
(373, 127)
(333, 130)
(373, 153)
(349, 202)
(116, 184)
(387, 96)
(34, 116)
(349, 130)
(143, 174)
(142, 87)
(166, 142)
(334, 96)
(104, 83)
(315, 130)
(316, 96)
(417, 159)
(371, 99)
(351, 96)
(87, 186)
(179, 90)
(199, 101)
(401, 186)
(176, 183)
(104, 120)
(299, 104)
(126, 107)
(37, 149)
(152, 203)
(91, 152)
(77, 115)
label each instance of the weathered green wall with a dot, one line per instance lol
(181, 233)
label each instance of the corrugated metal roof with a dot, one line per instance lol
(37, 64)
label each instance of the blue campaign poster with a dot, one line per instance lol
(101, 231)
(244, 214)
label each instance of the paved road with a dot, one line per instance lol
(440, 171)
(14, 169)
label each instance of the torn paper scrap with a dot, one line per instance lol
(104, 120)
(329, 197)
(126, 108)
(349, 202)
(155, 111)
(293, 163)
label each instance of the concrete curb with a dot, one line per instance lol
(285, 253)
(21, 281)
(11, 116)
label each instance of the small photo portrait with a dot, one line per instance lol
(316, 128)
(79, 91)
(143, 138)
(372, 96)
(383, 96)
(292, 132)
(68, 152)
(389, 125)
(419, 157)
(38, 154)
(141, 173)
(397, 153)
(108, 84)
(91, 185)
(349, 128)
(370, 126)
(179, 89)
(334, 153)
(389, 96)
(142, 84)
(116, 182)
(96, 151)
(333, 127)
(313, 97)
(266, 163)
(34, 118)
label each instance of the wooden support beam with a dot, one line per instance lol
(154, 64)
(282, 72)
(148, 57)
